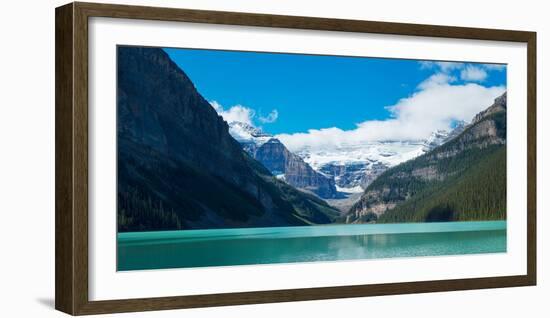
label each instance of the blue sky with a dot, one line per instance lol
(295, 93)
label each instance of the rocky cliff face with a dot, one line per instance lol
(439, 137)
(354, 167)
(273, 155)
(277, 159)
(497, 107)
(333, 173)
(351, 176)
(178, 166)
(281, 162)
(481, 141)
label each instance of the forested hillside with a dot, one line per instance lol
(178, 166)
(463, 179)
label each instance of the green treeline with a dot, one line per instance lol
(139, 212)
(479, 193)
(197, 191)
(462, 180)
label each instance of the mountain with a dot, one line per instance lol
(462, 179)
(333, 173)
(295, 171)
(248, 136)
(440, 137)
(178, 165)
(435, 139)
(281, 162)
(355, 166)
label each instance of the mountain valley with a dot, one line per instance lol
(181, 165)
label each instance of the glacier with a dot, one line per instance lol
(353, 166)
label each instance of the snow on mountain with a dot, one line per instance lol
(248, 136)
(282, 163)
(435, 139)
(458, 128)
(439, 137)
(389, 153)
(353, 167)
(245, 132)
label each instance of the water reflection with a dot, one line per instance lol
(229, 250)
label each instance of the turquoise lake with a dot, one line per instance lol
(246, 246)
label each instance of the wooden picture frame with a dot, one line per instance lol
(71, 90)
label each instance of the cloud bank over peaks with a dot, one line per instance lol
(453, 92)
(438, 102)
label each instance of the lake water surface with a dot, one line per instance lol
(244, 246)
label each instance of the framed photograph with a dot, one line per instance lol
(211, 158)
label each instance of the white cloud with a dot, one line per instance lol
(443, 66)
(235, 113)
(270, 118)
(434, 106)
(240, 113)
(426, 65)
(217, 106)
(473, 73)
(469, 71)
(494, 67)
(436, 79)
(438, 102)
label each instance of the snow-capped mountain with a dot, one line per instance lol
(439, 137)
(352, 167)
(435, 139)
(248, 136)
(458, 128)
(460, 167)
(245, 132)
(282, 163)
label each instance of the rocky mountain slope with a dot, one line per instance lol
(354, 167)
(178, 166)
(295, 171)
(334, 174)
(281, 162)
(447, 182)
(440, 137)
(248, 136)
(338, 173)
